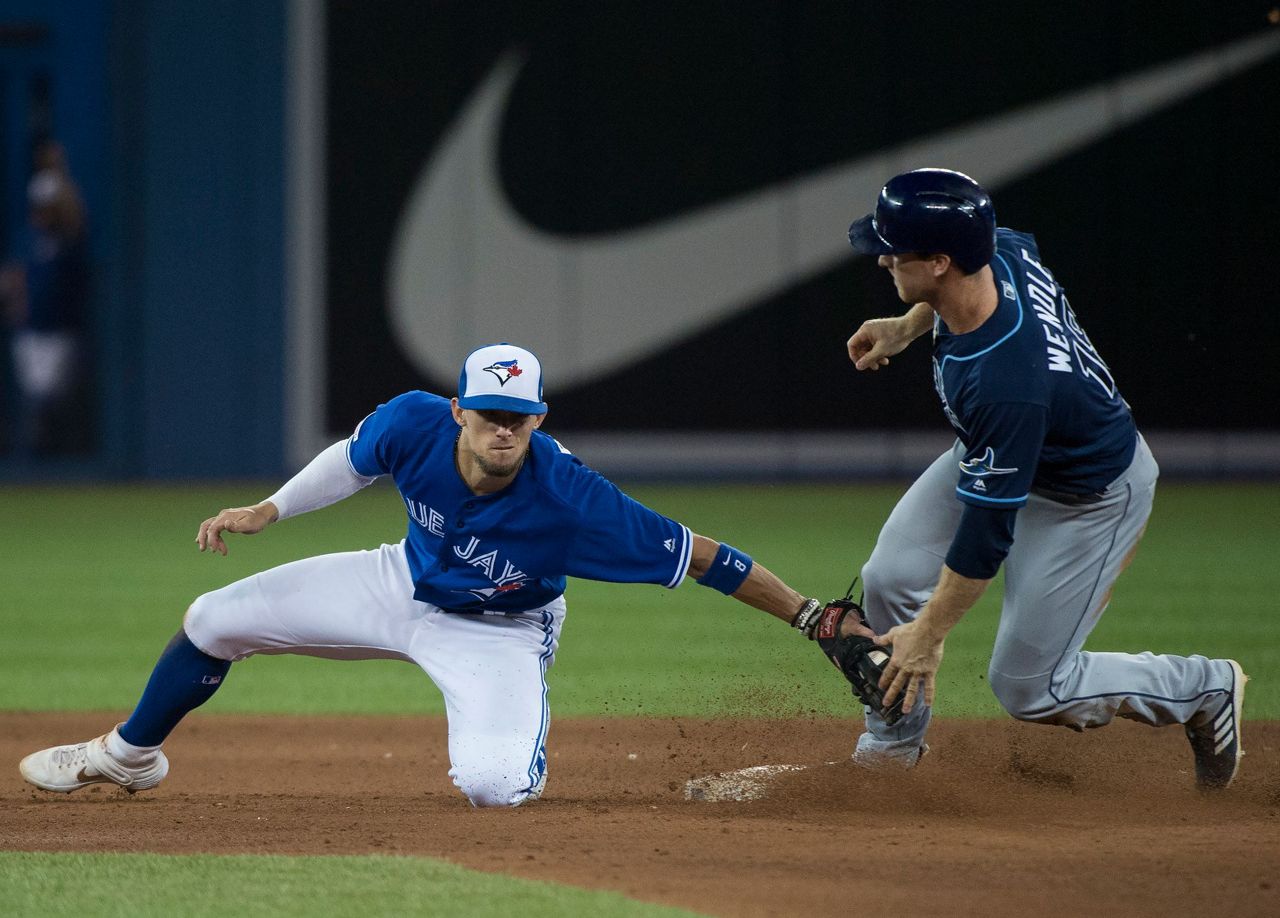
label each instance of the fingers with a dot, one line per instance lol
(851, 625)
(921, 689)
(918, 687)
(900, 682)
(202, 534)
(215, 537)
(909, 697)
(892, 681)
(857, 345)
(912, 687)
(873, 359)
(865, 348)
(209, 536)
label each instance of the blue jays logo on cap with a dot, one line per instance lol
(504, 370)
(501, 377)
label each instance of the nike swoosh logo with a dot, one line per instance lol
(466, 269)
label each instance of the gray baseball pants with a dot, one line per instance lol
(1058, 579)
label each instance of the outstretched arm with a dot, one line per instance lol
(762, 589)
(327, 479)
(877, 340)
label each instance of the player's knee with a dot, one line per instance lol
(208, 626)
(492, 785)
(1024, 697)
(201, 616)
(878, 572)
(886, 583)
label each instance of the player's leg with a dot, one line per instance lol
(492, 670)
(353, 605)
(1058, 580)
(898, 580)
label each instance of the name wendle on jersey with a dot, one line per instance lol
(1043, 292)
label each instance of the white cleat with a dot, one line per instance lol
(62, 769)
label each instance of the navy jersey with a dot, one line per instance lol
(1027, 393)
(509, 551)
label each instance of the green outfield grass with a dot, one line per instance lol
(97, 580)
(76, 885)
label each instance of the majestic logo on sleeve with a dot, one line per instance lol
(984, 465)
(504, 370)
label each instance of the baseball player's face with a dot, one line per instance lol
(915, 276)
(496, 440)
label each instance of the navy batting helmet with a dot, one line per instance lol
(930, 211)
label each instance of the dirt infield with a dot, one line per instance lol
(1000, 819)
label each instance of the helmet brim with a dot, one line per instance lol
(865, 240)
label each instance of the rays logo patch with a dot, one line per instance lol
(504, 370)
(984, 465)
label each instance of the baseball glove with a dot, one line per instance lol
(861, 659)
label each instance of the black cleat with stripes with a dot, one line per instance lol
(1216, 741)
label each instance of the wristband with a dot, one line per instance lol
(807, 618)
(728, 571)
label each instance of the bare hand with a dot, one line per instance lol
(244, 520)
(876, 341)
(851, 625)
(917, 654)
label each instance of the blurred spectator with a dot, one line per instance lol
(45, 294)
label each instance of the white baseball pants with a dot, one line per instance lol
(359, 605)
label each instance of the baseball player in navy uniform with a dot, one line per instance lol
(1049, 477)
(498, 514)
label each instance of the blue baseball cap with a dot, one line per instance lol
(502, 377)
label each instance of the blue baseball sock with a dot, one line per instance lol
(185, 677)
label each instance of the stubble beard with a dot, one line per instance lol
(498, 471)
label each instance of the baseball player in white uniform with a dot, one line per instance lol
(498, 514)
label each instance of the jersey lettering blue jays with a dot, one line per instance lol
(1030, 398)
(509, 551)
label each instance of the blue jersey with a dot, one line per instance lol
(1027, 393)
(509, 551)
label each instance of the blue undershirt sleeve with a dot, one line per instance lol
(982, 541)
